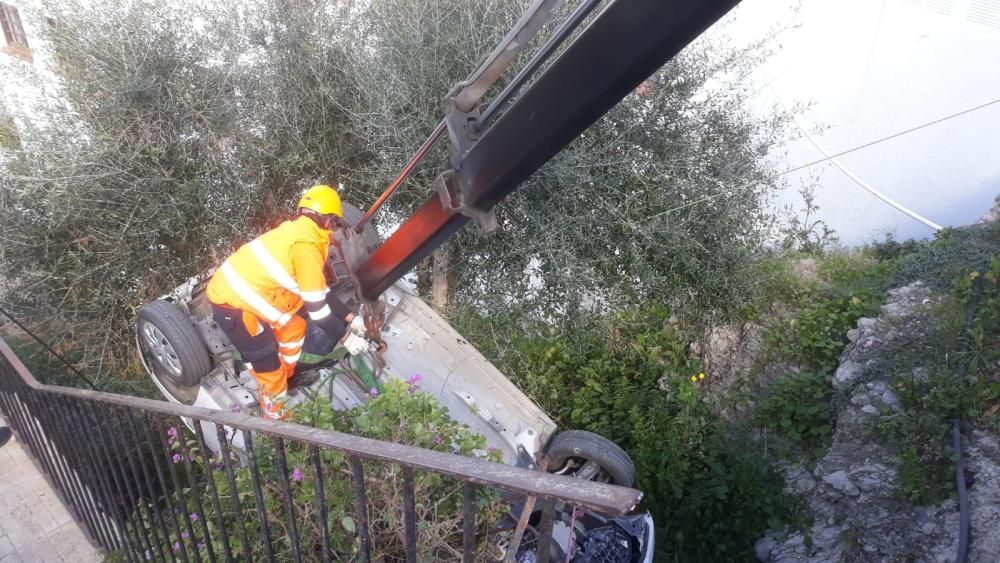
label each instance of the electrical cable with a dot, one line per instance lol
(898, 134)
(833, 160)
(956, 433)
(49, 348)
(812, 163)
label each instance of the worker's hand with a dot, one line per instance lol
(354, 344)
(358, 326)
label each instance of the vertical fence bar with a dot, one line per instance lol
(110, 509)
(35, 443)
(143, 503)
(227, 463)
(293, 531)
(49, 441)
(94, 468)
(321, 516)
(469, 522)
(151, 484)
(265, 529)
(118, 499)
(361, 508)
(209, 469)
(120, 478)
(171, 463)
(178, 547)
(196, 492)
(409, 515)
(29, 431)
(67, 454)
(545, 532)
(522, 524)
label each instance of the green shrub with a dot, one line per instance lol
(890, 249)
(952, 253)
(629, 378)
(799, 408)
(817, 334)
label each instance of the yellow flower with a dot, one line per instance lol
(701, 376)
(855, 301)
(693, 379)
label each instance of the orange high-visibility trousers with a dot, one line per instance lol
(270, 352)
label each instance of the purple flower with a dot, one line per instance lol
(437, 440)
(184, 535)
(194, 517)
(177, 458)
(373, 392)
(235, 408)
(172, 432)
(297, 475)
(415, 380)
(177, 547)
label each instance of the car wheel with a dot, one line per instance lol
(170, 345)
(590, 456)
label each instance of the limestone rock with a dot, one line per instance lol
(856, 510)
(993, 215)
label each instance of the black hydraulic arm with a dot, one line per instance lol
(626, 43)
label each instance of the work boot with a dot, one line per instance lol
(5, 435)
(303, 379)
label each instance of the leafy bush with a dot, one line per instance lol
(400, 414)
(629, 378)
(817, 334)
(890, 249)
(799, 408)
(952, 253)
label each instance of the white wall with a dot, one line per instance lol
(872, 68)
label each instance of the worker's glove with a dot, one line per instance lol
(358, 326)
(354, 344)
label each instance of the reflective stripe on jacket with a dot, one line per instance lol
(272, 274)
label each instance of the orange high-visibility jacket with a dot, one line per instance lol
(272, 275)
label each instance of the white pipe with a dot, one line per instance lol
(871, 189)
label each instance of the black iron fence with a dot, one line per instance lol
(144, 486)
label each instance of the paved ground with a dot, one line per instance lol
(34, 523)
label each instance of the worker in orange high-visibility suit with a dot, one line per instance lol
(257, 292)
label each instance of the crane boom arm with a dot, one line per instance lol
(626, 43)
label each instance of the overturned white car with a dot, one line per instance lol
(192, 362)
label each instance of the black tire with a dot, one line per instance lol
(573, 446)
(171, 345)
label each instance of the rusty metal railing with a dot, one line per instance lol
(138, 490)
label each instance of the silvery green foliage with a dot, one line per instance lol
(175, 132)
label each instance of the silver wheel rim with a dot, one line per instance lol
(161, 350)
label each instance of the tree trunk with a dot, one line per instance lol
(439, 280)
(424, 277)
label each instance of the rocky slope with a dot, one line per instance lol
(852, 493)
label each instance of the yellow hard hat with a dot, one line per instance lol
(323, 200)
